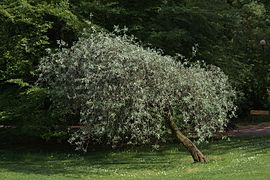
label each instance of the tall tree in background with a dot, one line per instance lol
(28, 27)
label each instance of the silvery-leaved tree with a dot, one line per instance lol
(127, 94)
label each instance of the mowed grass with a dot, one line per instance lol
(239, 158)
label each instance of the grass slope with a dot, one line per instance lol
(239, 158)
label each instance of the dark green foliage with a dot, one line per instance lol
(173, 26)
(26, 110)
(27, 29)
(22, 106)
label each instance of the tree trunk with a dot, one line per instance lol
(194, 151)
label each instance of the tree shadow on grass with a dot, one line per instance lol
(42, 161)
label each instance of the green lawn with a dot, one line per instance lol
(239, 158)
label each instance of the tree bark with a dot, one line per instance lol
(194, 151)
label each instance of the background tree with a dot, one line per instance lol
(27, 29)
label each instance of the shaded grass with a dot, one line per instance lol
(239, 158)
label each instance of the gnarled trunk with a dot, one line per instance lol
(194, 151)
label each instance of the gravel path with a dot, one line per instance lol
(262, 129)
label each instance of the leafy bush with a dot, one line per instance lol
(123, 92)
